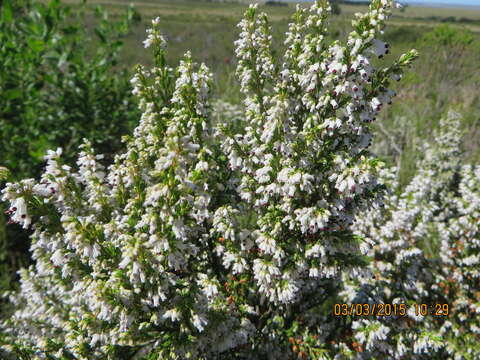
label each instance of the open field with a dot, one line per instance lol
(446, 75)
(235, 9)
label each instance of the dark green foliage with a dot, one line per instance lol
(275, 3)
(355, 2)
(58, 85)
(445, 35)
(336, 10)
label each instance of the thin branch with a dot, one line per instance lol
(390, 137)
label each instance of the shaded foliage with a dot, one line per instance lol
(57, 86)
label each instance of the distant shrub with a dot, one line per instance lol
(449, 19)
(445, 35)
(402, 34)
(275, 3)
(354, 2)
(336, 10)
(468, 20)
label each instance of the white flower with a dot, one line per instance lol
(148, 41)
(58, 258)
(287, 292)
(20, 214)
(172, 314)
(199, 322)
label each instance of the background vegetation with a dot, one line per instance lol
(60, 82)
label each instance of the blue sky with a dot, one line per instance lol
(460, 3)
(450, 2)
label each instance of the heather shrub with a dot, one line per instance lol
(202, 240)
(424, 250)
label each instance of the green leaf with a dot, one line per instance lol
(101, 35)
(4, 173)
(69, 30)
(36, 45)
(13, 94)
(7, 13)
(49, 21)
(53, 5)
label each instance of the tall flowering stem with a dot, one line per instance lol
(301, 168)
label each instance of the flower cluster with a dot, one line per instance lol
(302, 169)
(204, 239)
(424, 251)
